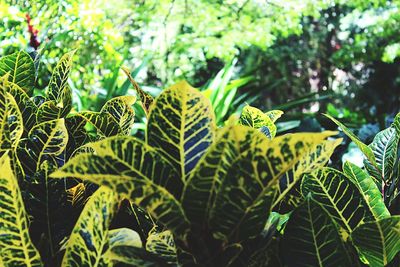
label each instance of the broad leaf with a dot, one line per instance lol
(45, 141)
(318, 154)
(89, 240)
(244, 201)
(16, 246)
(20, 68)
(121, 110)
(59, 78)
(339, 196)
(312, 239)
(378, 241)
(368, 190)
(163, 245)
(384, 148)
(134, 170)
(181, 124)
(104, 123)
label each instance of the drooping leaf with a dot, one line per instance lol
(384, 146)
(368, 190)
(16, 246)
(318, 154)
(378, 241)
(145, 98)
(366, 150)
(134, 170)
(45, 141)
(121, 110)
(88, 242)
(20, 68)
(339, 196)
(182, 125)
(243, 203)
(312, 239)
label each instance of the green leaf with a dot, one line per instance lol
(45, 141)
(88, 242)
(182, 125)
(134, 170)
(77, 134)
(318, 154)
(245, 198)
(312, 239)
(130, 256)
(384, 147)
(368, 190)
(16, 246)
(339, 196)
(145, 98)
(378, 241)
(366, 150)
(20, 68)
(120, 108)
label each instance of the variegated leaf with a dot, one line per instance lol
(255, 118)
(312, 239)
(244, 201)
(16, 246)
(104, 123)
(378, 241)
(121, 110)
(339, 196)
(45, 141)
(182, 125)
(134, 170)
(89, 240)
(145, 98)
(59, 78)
(55, 109)
(368, 190)
(318, 154)
(20, 68)
(163, 245)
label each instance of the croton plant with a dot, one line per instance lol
(76, 189)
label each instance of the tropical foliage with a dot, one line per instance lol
(190, 193)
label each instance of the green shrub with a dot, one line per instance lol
(198, 195)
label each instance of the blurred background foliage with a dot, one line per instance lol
(305, 57)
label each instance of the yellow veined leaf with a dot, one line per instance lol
(59, 78)
(274, 115)
(136, 171)
(368, 190)
(26, 106)
(55, 109)
(20, 68)
(317, 156)
(89, 240)
(163, 245)
(339, 196)
(245, 198)
(104, 123)
(76, 194)
(16, 246)
(379, 240)
(120, 108)
(45, 141)
(182, 125)
(145, 98)
(312, 239)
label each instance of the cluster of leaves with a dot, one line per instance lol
(199, 195)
